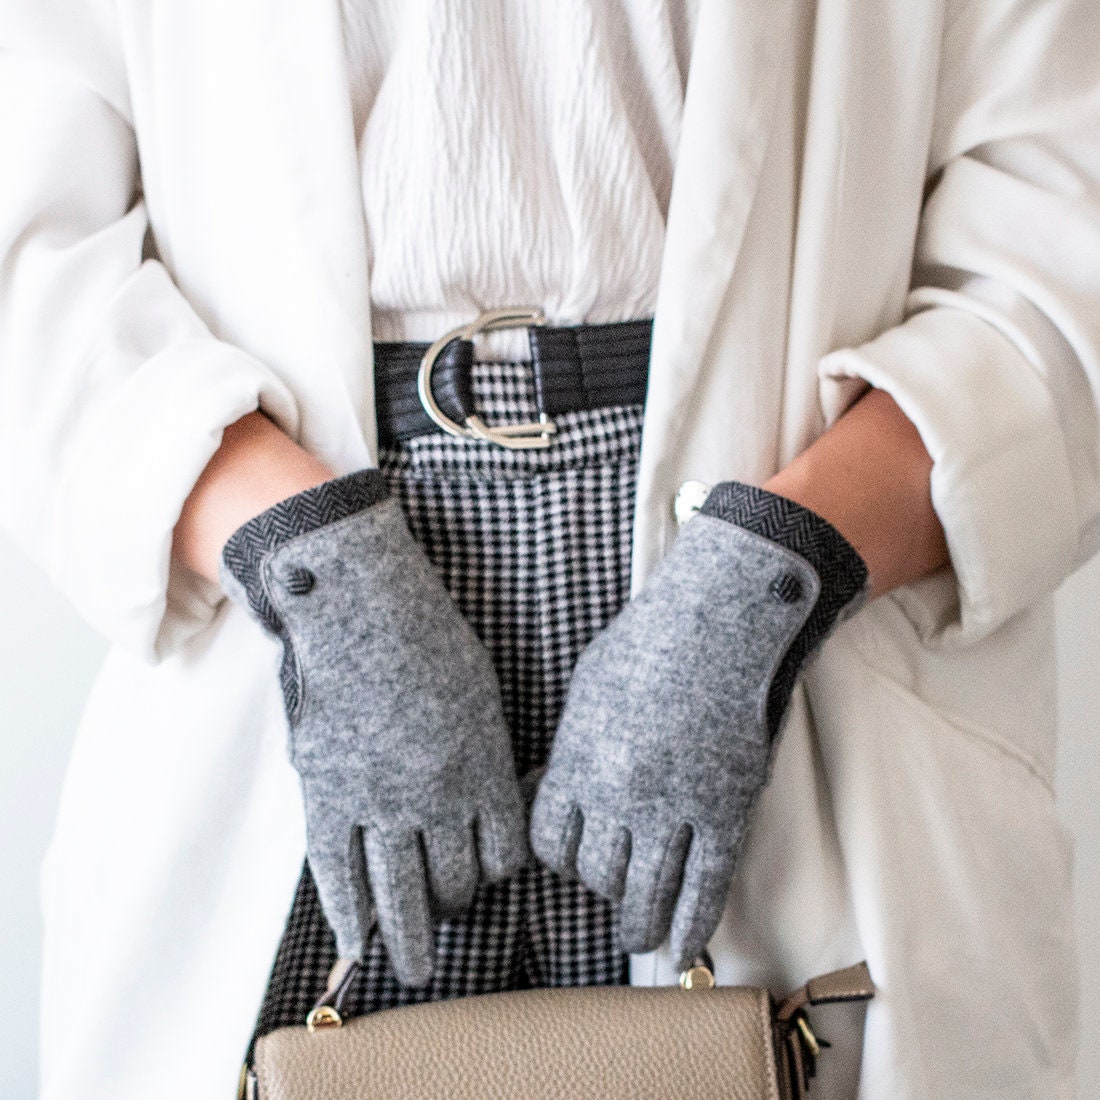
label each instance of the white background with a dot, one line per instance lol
(48, 659)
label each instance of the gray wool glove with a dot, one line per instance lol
(672, 712)
(396, 726)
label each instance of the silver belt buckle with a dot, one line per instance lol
(516, 437)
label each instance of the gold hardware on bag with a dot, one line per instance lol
(808, 1035)
(697, 977)
(324, 1018)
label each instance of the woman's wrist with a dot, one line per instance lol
(869, 476)
(256, 466)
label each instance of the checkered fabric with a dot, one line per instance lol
(534, 547)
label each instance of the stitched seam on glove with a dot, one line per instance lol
(842, 572)
(248, 547)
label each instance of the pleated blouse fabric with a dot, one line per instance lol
(515, 152)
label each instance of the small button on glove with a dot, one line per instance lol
(667, 732)
(396, 726)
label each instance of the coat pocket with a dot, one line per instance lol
(1001, 690)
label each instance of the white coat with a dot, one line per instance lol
(947, 249)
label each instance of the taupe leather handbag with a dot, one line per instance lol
(698, 1041)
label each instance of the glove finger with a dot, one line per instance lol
(336, 862)
(451, 855)
(556, 828)
(399, 883)
(603, 856)
(502, 836)
(652, 884)
(701, 903)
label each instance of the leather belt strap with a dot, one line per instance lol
(578, 368)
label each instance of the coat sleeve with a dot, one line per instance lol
(998, 361)
(113, 393)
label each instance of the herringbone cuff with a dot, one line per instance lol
(244, 553)
(841, 570)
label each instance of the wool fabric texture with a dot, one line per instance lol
(839, 567)
(396, 724)
(667, 733)
(244, 553)
(534, 548)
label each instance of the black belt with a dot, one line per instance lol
(585, 367)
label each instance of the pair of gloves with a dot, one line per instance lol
(398, 735)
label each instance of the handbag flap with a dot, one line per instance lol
(566, 1044)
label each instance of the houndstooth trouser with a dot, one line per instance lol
(534, 547)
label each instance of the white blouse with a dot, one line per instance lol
(515, 152)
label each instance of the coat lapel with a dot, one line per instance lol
(728, 113)
(325, 232)
(731, 93)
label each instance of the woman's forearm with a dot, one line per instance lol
(869, 477)
(256, 466)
